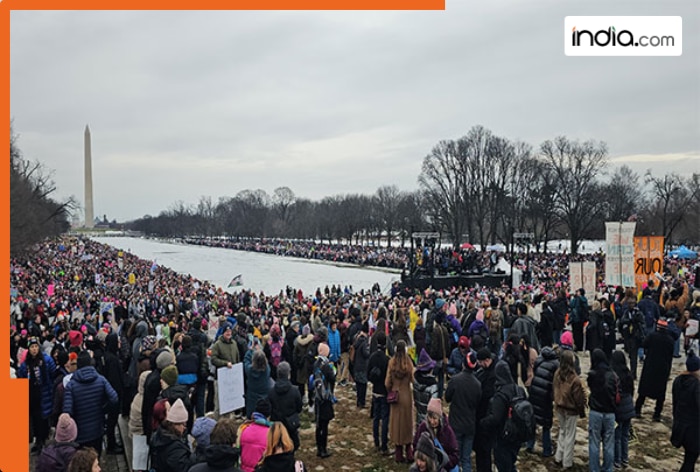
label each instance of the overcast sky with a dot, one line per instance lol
(189, 104)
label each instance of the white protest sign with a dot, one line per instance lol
(230, 388)
(140, 449)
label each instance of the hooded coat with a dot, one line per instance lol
(278, 463)
(218, 458)
(506, 389)
(135, 423)
(686, 412)
(47, 369)
(286, 403)
(84, 400)
(257, 383)
(303, 367)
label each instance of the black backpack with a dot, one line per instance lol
(520, 422)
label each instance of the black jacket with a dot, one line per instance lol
(277, 463)
(603, 383)
(285, 400)
(219, 457)
(499, 404)
(541, 391)
(686, 412)
(487, 379)
(464, 395)
(170, 453)
(376, 371)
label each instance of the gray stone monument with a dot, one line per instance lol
(89, 209)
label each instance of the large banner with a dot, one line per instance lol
(582, 275)
(619, 253)
(648, 258)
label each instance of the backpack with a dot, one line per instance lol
(495, 321)
(320, 386)
(632, 324)
(275, 352)
(520, 423)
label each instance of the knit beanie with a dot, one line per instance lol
(263, 407)
(169, 375)
(148, 342)
(692, 363)
(177, 412)
(201, 430)
(164, 359)
(66, 429)
(75, 338)
(567, 339)
(425, 445)
(323, 350)
(306, 330)
(435, 406)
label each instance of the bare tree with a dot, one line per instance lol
(674, 195)
(387, 201)
(576, 167)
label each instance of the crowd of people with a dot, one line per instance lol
(453, 378)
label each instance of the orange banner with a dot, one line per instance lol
(648, 258)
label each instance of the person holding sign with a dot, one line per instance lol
(224, 353)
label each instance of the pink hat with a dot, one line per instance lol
(435, 406)
(567, 339)
(66, 429)
(75, 338)
(480, 314)
(324, 350)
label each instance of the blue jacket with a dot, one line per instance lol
(84, 400)
(48, 372)
(334, 344)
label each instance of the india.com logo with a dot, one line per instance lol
(612, 37)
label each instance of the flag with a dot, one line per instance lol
(237, 281)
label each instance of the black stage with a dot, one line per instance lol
(440, 282)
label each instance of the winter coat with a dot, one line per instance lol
(84, 400)
(301, 362)
(419, 338)
(361, 359)
(218, 458)
(151, 392)
(170, 453)
(456, 361)
(447, 438)
(625, 409)
(278, 463)
(286, 403)
(376, 372)
(141, 331)
(487, 379)
(334, 344)
(324, 407)
(603, 384)
(135, 422)
(657, 365)
(257, 383)
(111, 365)
(253, 440)
(401, 412)
(464, 395)
(188, 365)
(424, 388)
(223, 352)
(48, 370)
(686, 412)
(545, 327)
(524, 324)
(506, 389)
(54, 454)
(569, 395)
(541, 389)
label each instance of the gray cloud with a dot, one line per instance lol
(185, 104)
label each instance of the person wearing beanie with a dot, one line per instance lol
(170, 449)
(323, 387)
(656, 370)
(224, 353)
(164, 360)
(39, 368)
(603, 384)
(566, 343)
(426, 455)
(84, 400)
(113, 372)
(464, 395)
(486, 375)
(437, 426)
(286, 403)
(686, 414)
(168, 377)
(425, 385)
(75, 338)
(56, 456)
(361, 345)
(220, 455)
(201, 432)
(457, 357)
(376, 373)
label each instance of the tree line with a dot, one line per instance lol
(34, 214)
(479, 188)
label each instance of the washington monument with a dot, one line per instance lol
(89, 209)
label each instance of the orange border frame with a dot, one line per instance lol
(15, 431)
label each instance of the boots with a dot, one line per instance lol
(409, 453)
(398, 454)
